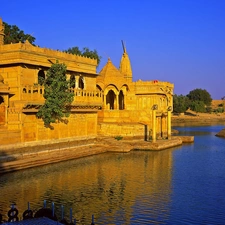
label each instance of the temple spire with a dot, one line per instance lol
(125, 66)
(2, 34)
(124, 48)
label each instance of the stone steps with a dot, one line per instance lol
(18, 161)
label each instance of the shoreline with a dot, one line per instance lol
(28, 155)
(200, 118)
(31, 157)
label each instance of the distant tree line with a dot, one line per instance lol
(197, 100)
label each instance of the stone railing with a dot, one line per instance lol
(85, 96)
(34, 93)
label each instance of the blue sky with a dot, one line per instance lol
(180, 41)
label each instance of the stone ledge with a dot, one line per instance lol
(18, 161)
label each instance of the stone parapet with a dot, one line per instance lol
(153, 87)
(29, 54)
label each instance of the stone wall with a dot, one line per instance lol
(132, 130)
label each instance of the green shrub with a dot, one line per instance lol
(118, 138)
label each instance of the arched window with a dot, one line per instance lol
(72, 81)
(41, 77)
(81, 82)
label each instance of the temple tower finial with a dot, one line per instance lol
(2, 34)
(124, 48)
(125, 66)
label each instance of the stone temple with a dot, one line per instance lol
(108, 103)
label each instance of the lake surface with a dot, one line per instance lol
(182, 185)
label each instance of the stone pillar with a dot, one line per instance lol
(164, 126)
(77, 82)
(169, 123)
(117, 102)
(154, 108)
(104, 100)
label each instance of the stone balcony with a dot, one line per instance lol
(84, 100)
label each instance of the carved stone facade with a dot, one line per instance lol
(141, 108)
(108, 103)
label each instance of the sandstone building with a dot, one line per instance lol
(108, 103)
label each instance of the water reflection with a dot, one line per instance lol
(113, 187)
(183, 185)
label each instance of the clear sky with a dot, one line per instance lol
(180, 41)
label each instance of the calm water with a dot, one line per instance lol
(182, 185)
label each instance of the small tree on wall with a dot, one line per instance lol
(57, 96)
(85, 52)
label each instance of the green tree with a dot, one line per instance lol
(58, 97)
(74, 51)
(180, 103)
(198, 106)
(85, 52)
(200, 95)
(14, 35)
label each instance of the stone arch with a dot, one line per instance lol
(98, 87)
(111, 87)
(124, 88)
(122, 96)
(41, 77)
(111, 97)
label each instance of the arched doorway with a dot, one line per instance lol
(110, 99)
(121, 100)
(41, 77)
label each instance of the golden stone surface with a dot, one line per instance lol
(105, 104)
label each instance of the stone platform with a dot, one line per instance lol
(22, 158)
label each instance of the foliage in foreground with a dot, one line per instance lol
(57, 96)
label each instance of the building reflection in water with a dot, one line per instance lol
(114, 187)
